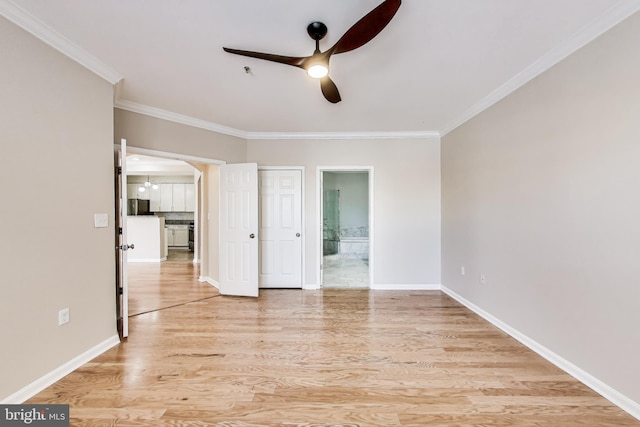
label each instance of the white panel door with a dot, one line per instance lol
(239, 229)
(280, 207)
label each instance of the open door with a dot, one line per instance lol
(239, 229)
(122, 304)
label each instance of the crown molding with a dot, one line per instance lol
(603, 23)
(40, 30)
(203, 124)
(343, 135)
(177, 118)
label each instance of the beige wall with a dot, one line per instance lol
(56, 169)
(407, 188)
(161, 135)
(212, 176)
(151, 133)
(406, 200)
(541, 193)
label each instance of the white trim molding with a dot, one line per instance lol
(48, 35)
(170, 116)
(159, 113)
(609, 393)
(210, 281)
(343, 135)
(57, 374)
(173, 156)
(591, 31)
(406, 287)
(319, 207)
(149, 260)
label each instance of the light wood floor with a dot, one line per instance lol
(154, 286)
(324, 358)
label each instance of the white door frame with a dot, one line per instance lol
(302, 202)
(319, 222)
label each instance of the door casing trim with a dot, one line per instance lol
(318, 224)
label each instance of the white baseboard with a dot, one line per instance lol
(609, 393)
(41, 383)
(210, 281)
(386, 287)
(406, 287)
(147, 260)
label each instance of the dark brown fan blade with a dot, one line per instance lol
(367, 28)
(330, 90)
(288, 60)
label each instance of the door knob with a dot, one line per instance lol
(126, 247)
(252, 235)
(297, 234)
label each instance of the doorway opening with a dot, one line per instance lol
(168, 275)
(346, 227)
(161, 223)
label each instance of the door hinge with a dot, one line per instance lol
(120, 291)
(119, 170)
(120, 230)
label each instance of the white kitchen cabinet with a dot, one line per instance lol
(173, 198)
(179, 199)
(154, 199)
(177, 235)
(190, 196)
(181, 236)
(169, 236)
(166, 197)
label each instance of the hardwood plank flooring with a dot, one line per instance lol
(325, 358)
(155, 286)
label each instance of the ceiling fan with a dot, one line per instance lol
(317, 65)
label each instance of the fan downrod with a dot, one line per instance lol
(317, 30)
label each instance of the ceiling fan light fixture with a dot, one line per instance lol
(318, 71)
(317, 65)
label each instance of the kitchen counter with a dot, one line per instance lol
(147, 233)
(179, 222)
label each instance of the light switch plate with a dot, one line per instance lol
(101, 220)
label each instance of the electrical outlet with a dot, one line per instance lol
(483, 279)
(63, 316)
(462, 271)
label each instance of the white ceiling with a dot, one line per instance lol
(435, 65)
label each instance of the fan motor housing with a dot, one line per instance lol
(317, 30)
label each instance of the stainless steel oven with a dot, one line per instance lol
(191, 237)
